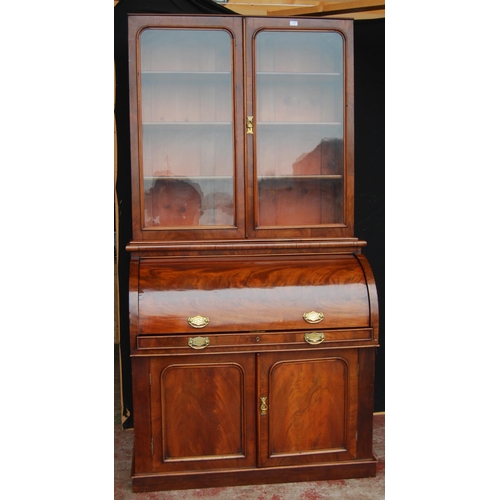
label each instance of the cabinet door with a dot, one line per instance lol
(186, 107)
(203, 412)
(308, 406)
(300, 145)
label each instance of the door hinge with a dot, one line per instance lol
(152, 446)
(150, 378)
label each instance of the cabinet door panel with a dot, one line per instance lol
(312, 408)
(186, 126)
(299, 162)
(202, 412)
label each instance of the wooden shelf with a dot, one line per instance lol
(189, 177)
(183, 124)
(178, 72)
(298, 177)
(302, 124)
(296, 73)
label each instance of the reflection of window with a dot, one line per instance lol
(327, 158)
(174, 203)
(219, 206)
(296, 201)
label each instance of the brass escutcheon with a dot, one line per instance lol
(313, 316)
(198, 321)
(263, 406)
(314, 338)
(199, 342)
(249, 124)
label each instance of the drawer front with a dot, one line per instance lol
(186, 344)
(212, 296)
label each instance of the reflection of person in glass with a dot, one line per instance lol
(176, 203)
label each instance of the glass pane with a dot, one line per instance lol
(300, 128)
(187, 128)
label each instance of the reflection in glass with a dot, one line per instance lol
(188, 202)
(173, 203)
(300, 128)
(187, 128)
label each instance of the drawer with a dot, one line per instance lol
(254, 341)
(243, 295)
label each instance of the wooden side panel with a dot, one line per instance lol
(133, 303)
(202, 412)
(312, 407)
(366, 398)
(142, 415)
(372, 294)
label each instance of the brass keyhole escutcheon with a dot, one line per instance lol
(249, 124)
(263, 406)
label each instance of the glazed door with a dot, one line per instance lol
(203, 412)
(308, 406)
(301, 117)
(186, 104)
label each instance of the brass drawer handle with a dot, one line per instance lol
(313, 316)
(199, 342)
(314, 338)
(198, 321)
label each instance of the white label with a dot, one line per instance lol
(294, 23)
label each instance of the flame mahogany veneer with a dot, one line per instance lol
(252, 341)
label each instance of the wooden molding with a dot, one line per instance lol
(358, 9)
(355, 9)
(332, 8)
